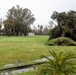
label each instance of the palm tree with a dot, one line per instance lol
(59, 64)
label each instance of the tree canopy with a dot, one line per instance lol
(66, 25)
(18, 20)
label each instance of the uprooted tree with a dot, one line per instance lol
(66, 25)
(18, 21)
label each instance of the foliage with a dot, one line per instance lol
(38, 30)
(46, 29)
(66, 25)
(61, 41)
(54, 33)
(18, 20)
(59, 64)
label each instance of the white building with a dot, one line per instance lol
(31, 34)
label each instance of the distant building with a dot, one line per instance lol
(30, 34)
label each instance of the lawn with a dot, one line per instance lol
(26, 73)
(24, 49)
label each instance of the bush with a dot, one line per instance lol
(61, 41)
(59, 64)
(44, 70)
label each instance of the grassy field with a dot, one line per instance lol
(26, 49)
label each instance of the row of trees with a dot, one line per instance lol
(19, 21)
(41, 30)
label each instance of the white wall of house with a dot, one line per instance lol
(31, 34)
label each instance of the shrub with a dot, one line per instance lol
(59, 64)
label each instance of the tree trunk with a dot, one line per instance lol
(60, 29)
(63, 34)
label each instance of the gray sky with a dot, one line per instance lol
(42, 9)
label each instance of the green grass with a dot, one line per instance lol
(23, 48)
(26, 49)
(26, 73)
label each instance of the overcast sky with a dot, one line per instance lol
(42, 9)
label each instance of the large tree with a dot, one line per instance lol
(21, 19)
(66, 24)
